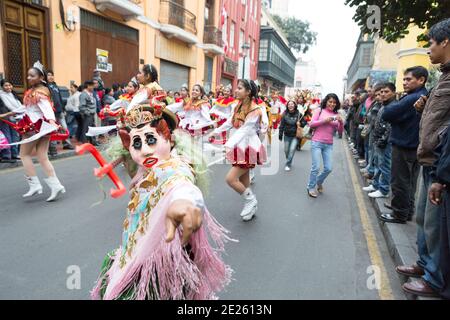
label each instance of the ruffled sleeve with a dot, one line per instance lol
(250, 126)
(176, 107)
(47, 109)
(189, 192)
(140, 97)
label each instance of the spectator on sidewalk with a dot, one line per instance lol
(108, 98)
(9, 102)
(73, 110)
(118, 91)
(369, 170)
(435, 119)
(98, 94)
(359, 125)
(383, 149)
(439, 195)
(60, 112)
(88, 109)
(405, 122)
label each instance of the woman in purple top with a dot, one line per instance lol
(324, 123)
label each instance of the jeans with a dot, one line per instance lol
(371, 164)
(405, 172)
(445, 245)
(71, 122)
(290, 146)
(428, 233)
(318, 150)
(382, 177)
(12, 136)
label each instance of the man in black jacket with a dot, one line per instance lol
(439, 194)
(405, 123)
(59, 110)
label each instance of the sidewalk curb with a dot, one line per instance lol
(396, 236)
(18, 164)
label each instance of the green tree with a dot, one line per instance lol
(298, 33)
(397, 15)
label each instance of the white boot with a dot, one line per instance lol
(250, 206)
(35, 187)
(55, 186)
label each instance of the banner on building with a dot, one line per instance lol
(102, 60)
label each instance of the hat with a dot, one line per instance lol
(145, 113)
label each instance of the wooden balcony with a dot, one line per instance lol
(174, 14)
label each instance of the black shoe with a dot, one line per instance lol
(68, 147)
(6, 160)
(390, 218)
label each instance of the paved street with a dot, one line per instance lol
(296, 248)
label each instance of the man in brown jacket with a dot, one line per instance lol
(435, 119)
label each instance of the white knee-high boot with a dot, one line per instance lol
(55, 187)
(250, 206)
(35, 186)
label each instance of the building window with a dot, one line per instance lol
(366, 56)
(232, 34)
(263, 49)
(241, 40)
(298, 84)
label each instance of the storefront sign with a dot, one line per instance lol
(102, 60)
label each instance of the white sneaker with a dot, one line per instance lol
(250, 203)
(377, 194)
(251, 215)
(369, 189)
(287, 168)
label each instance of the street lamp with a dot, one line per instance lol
(245, 47)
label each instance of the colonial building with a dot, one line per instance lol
(276, 67)
(75, 37)
(241, 27)
(361, 65)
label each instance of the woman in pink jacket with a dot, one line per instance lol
(324, 123)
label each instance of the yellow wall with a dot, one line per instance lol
(417, 55)
(66, 45)
(385, 57)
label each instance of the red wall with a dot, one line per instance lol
(251, 26)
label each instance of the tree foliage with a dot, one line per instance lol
(397, 15)
(298, 33)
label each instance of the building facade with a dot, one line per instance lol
(305, 78)
(75, 37)
(361, 65)
(276, 67)
(240, 30)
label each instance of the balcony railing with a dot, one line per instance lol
(230, 67)
(212, 35)
(175, 14)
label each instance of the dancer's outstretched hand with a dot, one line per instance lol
(185, 213)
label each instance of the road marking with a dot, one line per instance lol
(385, 291)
